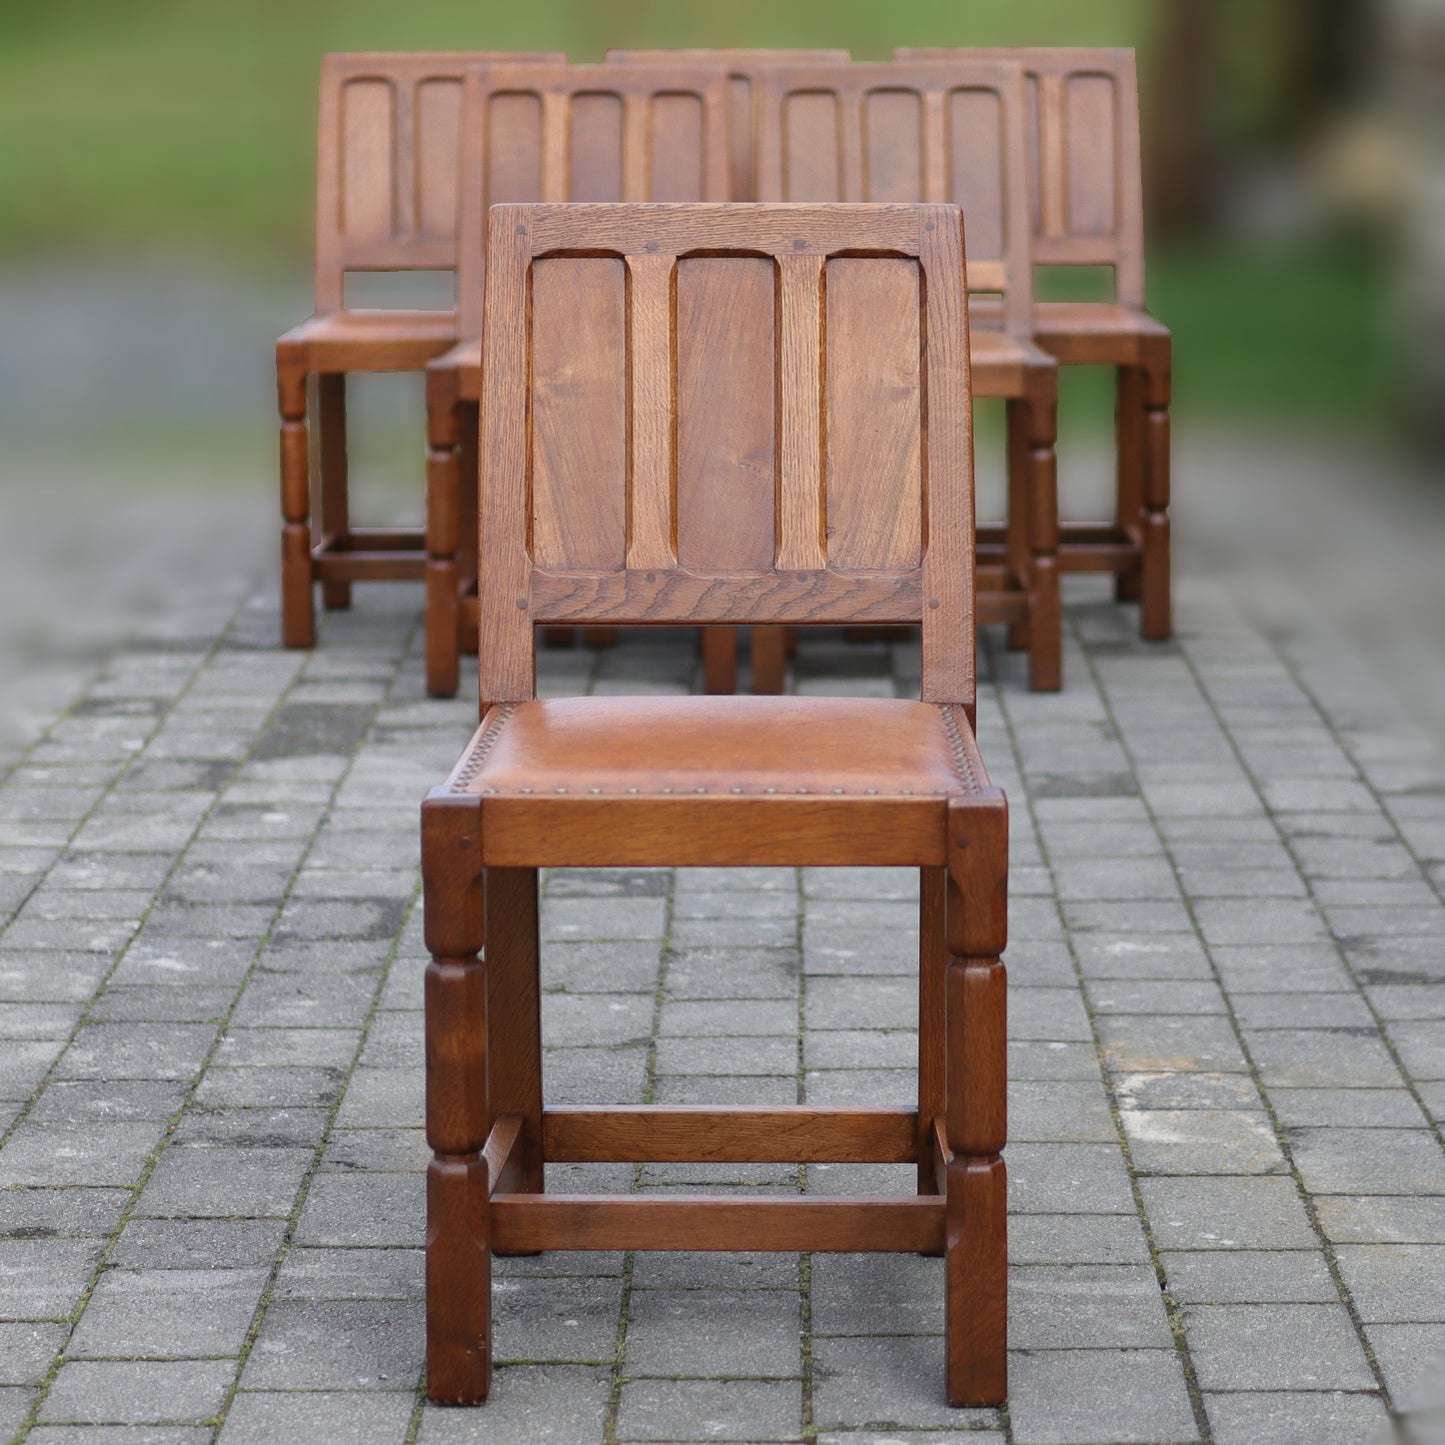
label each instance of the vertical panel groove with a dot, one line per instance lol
(651, 404)
(801, 483)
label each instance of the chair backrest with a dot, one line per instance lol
(726, 414)
(952, 132)
(743, 69)
(1083, 146)
(386, 162)
(583, 133)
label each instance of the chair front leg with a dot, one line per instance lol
(1017, 548)
(1129, 460)
(298, 605)
(976, 1120)
(443, 532)
(1040, 414)
(458, 1113)
(335, 504)
(1156, 620)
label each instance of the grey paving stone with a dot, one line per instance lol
(1262, 1212)
(90, 1154)
(1354, 1161)
(570, 1020)
(337, 1345)
(708, 973)
(137, 1391)
(1275, 1347)
(1283, 968)
(1059, 1111)
(557, 1320)
(260, 1128)
(551, 1404)
(370, 1418)
(197, 1244)
(42, 1278)
(1239, 1276)
(1202, 1141)
(1403, 1283)
(168, 1313)
(137, 1051)
(752, 1055)
(1350, 1108)
(26, 1350)
(1186, 1091)
(1383, 1219)
(595, 918)
(15, 1405)
(1077, 1239)
(1278, 1418)
(1048, 1014)
(886, 1382)
(1151, 996)
(1066, 1397)
(1332, 1058)
(224, 1182)
(621, 966)
(1086, 1307)
(377, 1098)
(376, 1150)
(714, 1333)
(708, 1410)
(363, 1209)
(1409, 1357)
(1052, 1178)
(857, 1003)
(364, 1273)
(1169, 1043)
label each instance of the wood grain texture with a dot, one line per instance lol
(726, 433)
(687, 1133)
(819, 1224)
(829, 565)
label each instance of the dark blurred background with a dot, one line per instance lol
(156, 192)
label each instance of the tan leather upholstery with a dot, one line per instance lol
(851, 747)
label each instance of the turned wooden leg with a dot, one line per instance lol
(1046, 614)
(443, 532)
(335, 505)
(719, 660)
(298, 605)
(932, 971)
(458, 1113)
(1016, 530)
(770, 659)
(1129, 460)
(1156, 620)
(976, 1229)
(515, 1067)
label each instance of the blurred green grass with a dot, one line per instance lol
(187, 127)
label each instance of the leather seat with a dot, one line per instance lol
(852, 747)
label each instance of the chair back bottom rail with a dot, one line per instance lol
(847, 1224)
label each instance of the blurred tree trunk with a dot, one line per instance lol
(1181, 143)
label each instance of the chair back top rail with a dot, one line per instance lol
(726, 414)
(1085, 188)
(583, 133)
(744, 69)
(949, 131)
(386, 161)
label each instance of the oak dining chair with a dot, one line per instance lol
(949, 131)
(1087, 210)
(385, 201)
(725, 415)
(544, 133)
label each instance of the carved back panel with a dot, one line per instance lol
(951, 131)
(726, 414)
(744, 71)
(386, 162)
(1083, 147)
(584, 133)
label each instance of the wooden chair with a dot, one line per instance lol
(385, 201)
(951, 131)
(667, 388)
(544, 133)
(1087, 210)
